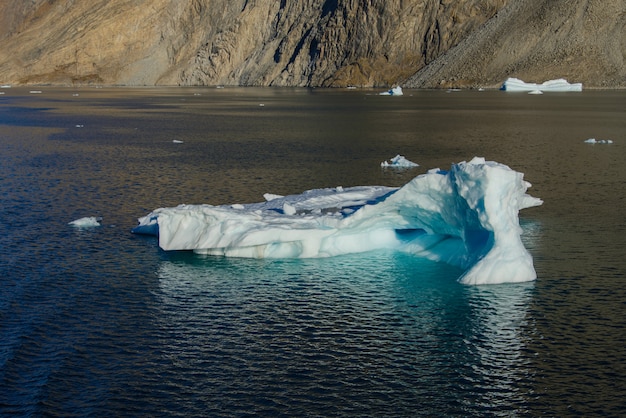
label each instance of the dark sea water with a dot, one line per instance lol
(100, 322)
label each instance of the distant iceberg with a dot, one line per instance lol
(467, 217)
(598, 141)
(515, 84)
(399, 161)
(396, 91)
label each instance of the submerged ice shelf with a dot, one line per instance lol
(467, 217)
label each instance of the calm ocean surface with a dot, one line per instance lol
(99, 322)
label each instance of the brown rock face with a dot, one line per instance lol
(537, 40)
(416, 43)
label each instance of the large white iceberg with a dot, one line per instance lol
(515, 84)
(467, 217)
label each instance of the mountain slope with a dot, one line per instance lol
(419, 43)
(538, 40)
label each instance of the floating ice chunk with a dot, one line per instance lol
(535, 92)
(467, 217)
(86, 222)
(396, 91)
(177, 141)
(515, 84)
(399, 161)
(598, 141)
(35, 92)
(270, 196)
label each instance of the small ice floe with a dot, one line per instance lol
(598, 141)
(87, 222)
(271, 196)
(177, 141)
(396, 91)
(261, 104)
(399, 161)
(515, 84)
(75, 95)
(535, 92)
(237, 206)
(5, 86)
(80, 126)
(35, 92)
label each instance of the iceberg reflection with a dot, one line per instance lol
(501, 372)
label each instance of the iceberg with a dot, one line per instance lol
(86, 222)
(396, 91)
(467, 217)
(515, 84)
(598, 141)
(399, 161)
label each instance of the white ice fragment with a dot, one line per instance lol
(288, 209)
(467, 217)
(177, 141)
(399, 161)
(536, 91)
(598, 141)
(515, 84)
(86, 222)
(237, 206)
(396, 91)
(339, 189)
(269, 196)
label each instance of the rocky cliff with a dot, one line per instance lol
(416, 43)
